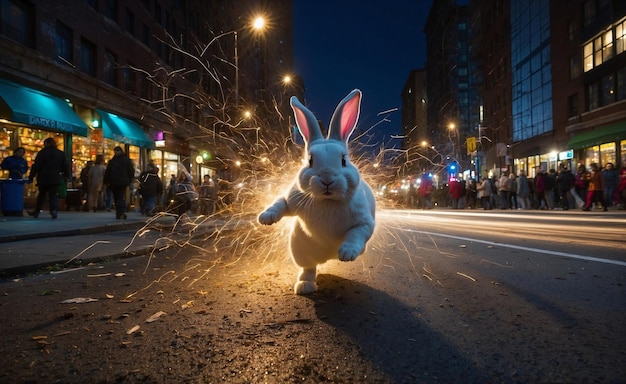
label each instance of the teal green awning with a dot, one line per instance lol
(124, 130)
(607, 134)
(28, 106)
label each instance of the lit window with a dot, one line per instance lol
(607, 46)
(597, 51)
(588, 56)
(620, 37)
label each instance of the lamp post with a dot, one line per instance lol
(258, 24)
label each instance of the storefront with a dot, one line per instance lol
(601, 145)
(29, 116)
(170, 150)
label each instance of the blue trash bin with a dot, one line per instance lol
(12, 196)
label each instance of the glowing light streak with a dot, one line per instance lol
(522, 248)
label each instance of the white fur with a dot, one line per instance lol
(335, 208)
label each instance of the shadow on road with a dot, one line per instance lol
(390, 334)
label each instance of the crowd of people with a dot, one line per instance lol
(588, 188)
(108, 185)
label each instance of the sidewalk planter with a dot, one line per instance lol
(12, 196)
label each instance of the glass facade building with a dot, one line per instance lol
(531, 69)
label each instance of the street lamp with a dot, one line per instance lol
(258, 24)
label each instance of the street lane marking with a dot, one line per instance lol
(518, 247)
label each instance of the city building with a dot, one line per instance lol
(414, 121)
(161, 78)
(453, 102)
(551, 81)
(593, 111)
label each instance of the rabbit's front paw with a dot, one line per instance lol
(349, 251)
(268, 217)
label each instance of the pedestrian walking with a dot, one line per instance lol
(425, 192)
(208, 196)
(512, 199)
(186, 193)
(50, 168)
(611, 182)
(503, 190)
(549, 191)
(150, 188)
(582, 181)
(485, 191)
(118, 175)
(540, 189)
(84, 184)
(523, 191)
(96, 184)
(15, 164)
(565, 181)
(595, 192)
(471, 194)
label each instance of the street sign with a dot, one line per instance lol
(470, 142)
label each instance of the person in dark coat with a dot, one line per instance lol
(151, 187)
(50, 168)
(16, 164)
(565, 181)
(118, 176)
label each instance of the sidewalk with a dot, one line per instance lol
(28, 244)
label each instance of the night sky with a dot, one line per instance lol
(365, 44)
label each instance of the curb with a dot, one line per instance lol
(73, 232)
(23, 270)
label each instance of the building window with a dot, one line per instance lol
(157, 12)
(597, 51)
(571, 30)
(110, 68)
(589, 12)
(17, 22)
(110, 9)
(607, 153)
(620, 37)
(572, 102)
(146, 36)
(608, 90)
(621, 84)
(63, 48)
(574, 67)
(588, 56)
(130, 79)
(607, 46)
(130, 22)
(88, 57)
(592, 96)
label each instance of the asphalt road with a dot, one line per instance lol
(439, 297)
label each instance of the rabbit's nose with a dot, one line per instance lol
(326, 183)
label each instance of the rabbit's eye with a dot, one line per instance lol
(343, 160)
(311, 161)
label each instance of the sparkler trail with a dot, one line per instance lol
(268, 160)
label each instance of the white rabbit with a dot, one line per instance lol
(335, 208)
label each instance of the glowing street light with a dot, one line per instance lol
(258, 24)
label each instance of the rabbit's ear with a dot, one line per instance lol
(306, 121)
(345, 117)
